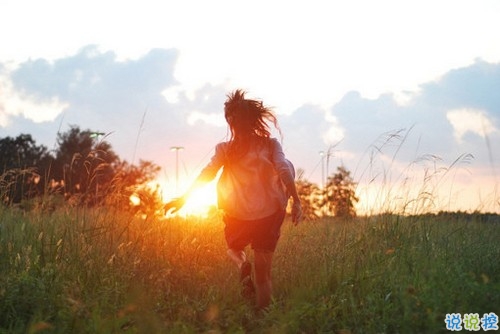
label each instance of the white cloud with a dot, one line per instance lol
(313, 54)
(333, 135)
(470, 120)
(4, 119)
(335, 132)
(171, 94)
(14, 103)
(215, 119)
(404, 98)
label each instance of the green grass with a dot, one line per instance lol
(77, 270)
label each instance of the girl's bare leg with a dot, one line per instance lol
(238, 257)
(263, 283)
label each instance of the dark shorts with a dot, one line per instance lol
(261, 234)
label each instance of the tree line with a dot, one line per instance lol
(338, 197)
(83, 169)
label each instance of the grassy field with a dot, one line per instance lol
(77, 270)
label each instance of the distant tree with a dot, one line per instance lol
(132, 175)
(24, 165)
(133, 180)
(340, 194)
(309, 194)
(85, 164)
(84, 168)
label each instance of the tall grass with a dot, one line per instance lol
(425, 183)
(85, 270)
(390, 274)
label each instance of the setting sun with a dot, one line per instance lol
(200, 201)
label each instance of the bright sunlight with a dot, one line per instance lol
(200, 202)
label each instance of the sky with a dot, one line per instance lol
(404, 94)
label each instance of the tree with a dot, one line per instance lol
(83, 168)
(133, 180)
(85, 165)
(340, 194)
(89, 172)
(309, 194)
(23, 168)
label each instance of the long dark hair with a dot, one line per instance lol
(248, 120)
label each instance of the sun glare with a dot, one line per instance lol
(134, 199)
(200, 201)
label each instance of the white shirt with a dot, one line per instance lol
(252, 185)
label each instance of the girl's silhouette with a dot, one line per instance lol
(253, 191)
